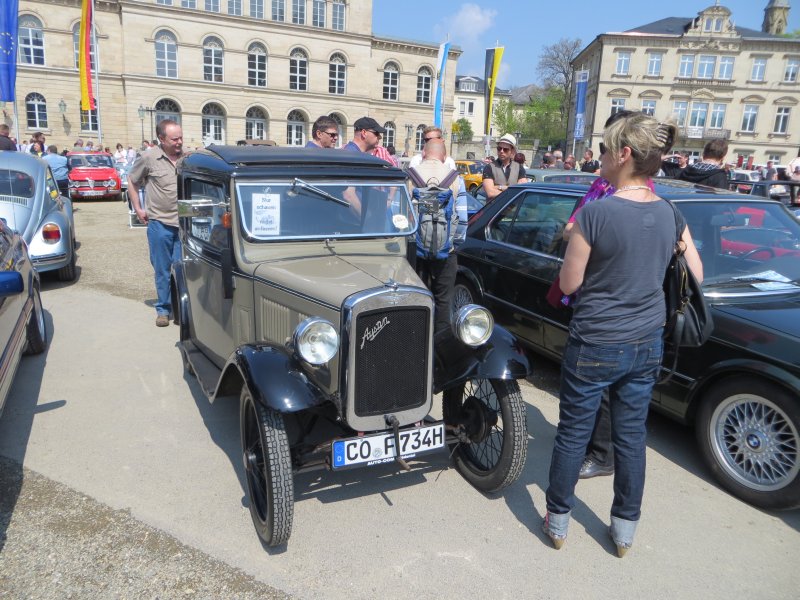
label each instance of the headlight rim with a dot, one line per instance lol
(302, 328)
(461, 316)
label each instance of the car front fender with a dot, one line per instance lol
(501, 357)
(181, 307)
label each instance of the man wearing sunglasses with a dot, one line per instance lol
(497, 176)
(325, 133)
(368, 134)
(429, 134)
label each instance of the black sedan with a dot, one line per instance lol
(742, 388)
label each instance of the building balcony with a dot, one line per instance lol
(700, 82)
(704, 133)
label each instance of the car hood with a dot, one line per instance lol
(333, 278)
(96, 173)
(760, 322)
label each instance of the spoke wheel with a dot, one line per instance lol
(36, 330)
(462, 295)
(749, 433)
(268, 470)
(489, 416)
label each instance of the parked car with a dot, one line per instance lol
(32, 205)
(786, 191)
(295, 295)
(472, 173)
(93, 175)
(741, 180)
(550, 176)
(22, 324)
(741, 389)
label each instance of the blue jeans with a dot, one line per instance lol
(629, 371)
(165, 249)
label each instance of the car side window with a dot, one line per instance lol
(540, 222)
(499, 228)
(208, 228)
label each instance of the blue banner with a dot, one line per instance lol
(9, 20)
(581, 81)
(441, 66)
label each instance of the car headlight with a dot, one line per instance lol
(473, 324)
(316, 340)
(112, 183)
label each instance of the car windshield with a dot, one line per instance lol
(90, 160)
(751, 245)
(314, 209)
(16, 184)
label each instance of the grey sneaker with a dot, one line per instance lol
(162, 321)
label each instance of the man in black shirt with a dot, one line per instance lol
(589, 164)
(498, 175)
(5, 141)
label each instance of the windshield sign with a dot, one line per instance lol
(302, 209)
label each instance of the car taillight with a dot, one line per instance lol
(51, 233)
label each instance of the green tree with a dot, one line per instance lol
(506, 118)
(542, 117)
(463, 129)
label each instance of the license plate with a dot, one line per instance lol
(92, 193)
(202, 232)
(376, 449)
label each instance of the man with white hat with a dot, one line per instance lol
(501, 173)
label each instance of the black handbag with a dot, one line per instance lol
(689, 323)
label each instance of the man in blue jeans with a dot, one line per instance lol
(157, 171)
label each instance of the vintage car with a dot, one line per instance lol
(93, 175)
(295, 295)
(741, 389)
(22, 324)
(472, 173)
(31, 204)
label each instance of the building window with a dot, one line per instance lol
(167, 109)
(189, 3)
(424, 80)
(792, 67)
(166, 55)
(749, 118)
(257, 65)
(759, 69)
(213, 126)
(679, 110)
(337, 20)
(278, 10)
(686, 68)
(706, 66)
(654, 61)
(390, 81)
(623, 63)
(235, 7)
(31, 41)
(726, 67)
(298, 71)
(339, 128)
(319, 9)
(89, 122)
(212, 59)
(212, 6)
(76, 45)
(649, 107)
(467, 86)
(295, 129)
(36, 110)
(255, 125)
(419, 138)
(782, 119)
(617, 104)
(462, 107)
(697, 118)
(775, 158)
(717, 119)
(337, 75)
(391, 134)
(299, 12)
(164, 2)
(257, 9)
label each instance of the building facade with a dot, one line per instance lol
(713, 78)
(225, 69)
(469, 102)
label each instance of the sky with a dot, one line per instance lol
(524, 27)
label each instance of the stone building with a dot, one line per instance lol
(714, 78)
(225, 69)
(469, 102)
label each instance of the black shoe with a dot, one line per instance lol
(589, 468)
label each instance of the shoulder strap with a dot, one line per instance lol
(678, 232)
(447, 181)
(416, 178)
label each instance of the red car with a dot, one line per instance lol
(93, 175)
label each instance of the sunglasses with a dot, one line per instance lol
(372, 131)
(603, 148)
(503, 149)
(431, 138)
(333, 134)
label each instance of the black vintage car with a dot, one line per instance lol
(741, 389)
(295, 297)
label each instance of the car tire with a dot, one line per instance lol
(268, 470)
(488, 416)
(748, 430)
(68, 271)
(36, 330)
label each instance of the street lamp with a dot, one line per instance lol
(141, 111)
(409, 128)
(518, 135)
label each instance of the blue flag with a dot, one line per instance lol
(9, 21)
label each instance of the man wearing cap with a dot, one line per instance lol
(503, 172)
(368, 135)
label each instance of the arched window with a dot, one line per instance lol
(212, 59)
(418, 140)
(166, 55)
(255, 127)
(257, 65)
(339, 128)
(337, 74)
(337, 19)
(391, 77)
(424, 79)
(76, 44)
(30, 41)
(295, 129)
(213, 124)
(298, 70)
(390, 135)
(36, 111)
(167, 109)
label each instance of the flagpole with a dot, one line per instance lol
(93, 33)
(16, 115)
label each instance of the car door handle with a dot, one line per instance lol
(490, 255)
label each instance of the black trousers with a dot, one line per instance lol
(440, 277)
